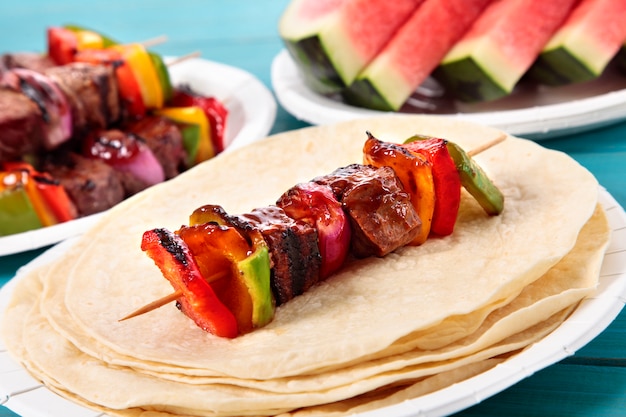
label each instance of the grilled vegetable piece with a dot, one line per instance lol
(17, 213)
(23, 188)
(250, 264)
(415, 174)
(316, 205)
(199, 148)
(447, 183)
(198, 301)
(382, 217)
(165, 140)
(473, 178)
(215, 111)
(128, 154)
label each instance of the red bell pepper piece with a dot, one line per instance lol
(215, 111)
(198, 301)
(62, 45)
(447, 183)
(215, 250)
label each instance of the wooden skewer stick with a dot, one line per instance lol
(168, 298)
(182, 58)
(148, 43)
(177, 294)
(486, 145)
(154, 305)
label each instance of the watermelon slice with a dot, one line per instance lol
(582, 48)
(332, 40)
(500, 47)
(413, 53)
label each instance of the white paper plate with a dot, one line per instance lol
(252, 111)
(532, 113)
(27, 397)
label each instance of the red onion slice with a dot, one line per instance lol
(316, 204)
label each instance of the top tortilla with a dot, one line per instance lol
(419, 297)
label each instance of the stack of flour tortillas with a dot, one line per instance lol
(381, 331)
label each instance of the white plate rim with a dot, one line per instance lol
(246, 98)
(537, 123)
(589, 319)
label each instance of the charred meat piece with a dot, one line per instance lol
(47, 96)
(21, 125)
(381, 214)
(163, 137)
(92, 185)
(27, 60)
(92, 93)
(294, 251)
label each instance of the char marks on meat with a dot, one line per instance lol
(294, 250)
(165, 141)
(92, 93)
(21, 125)
(92, 185)
(380, 211)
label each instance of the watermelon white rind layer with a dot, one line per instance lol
(331, 41)
(583, 47)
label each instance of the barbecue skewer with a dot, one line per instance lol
(177, 294)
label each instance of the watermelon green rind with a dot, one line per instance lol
(363, 94)
(561, 66)
(317, 71)
(469, 81)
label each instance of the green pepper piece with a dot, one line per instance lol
(17, 213)
(191, 142)
(255, 271)
(473, 178)
(163, 74)
(255, 268)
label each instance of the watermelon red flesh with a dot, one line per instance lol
(582, 48)
(500, 47)
(413, 52)
(332, 40)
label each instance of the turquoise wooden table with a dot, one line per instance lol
(243, 33)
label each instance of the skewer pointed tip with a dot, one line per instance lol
(154, 305)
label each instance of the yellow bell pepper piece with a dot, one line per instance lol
(196, 116)
(87, 39)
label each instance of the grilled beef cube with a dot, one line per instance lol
(28, 60)
(294, 251)
(381, 214)
(92, 185)
(21, 125)
(165, 141)
(92, 93)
